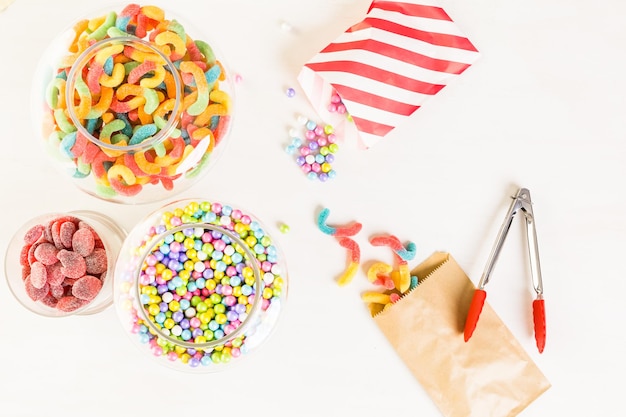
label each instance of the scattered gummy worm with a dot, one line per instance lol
(347, 231)
(342, 234)
(148, 107)
(316, 152)
(198, 286)
(354, 256)
(64, 263)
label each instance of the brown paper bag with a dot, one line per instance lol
(489, 376)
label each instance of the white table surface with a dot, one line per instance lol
(544, 108)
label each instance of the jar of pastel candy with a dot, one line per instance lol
(132, 104)
(61, 264)
(199, 285)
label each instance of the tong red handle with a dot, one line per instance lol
(539, 319)
(476, 307)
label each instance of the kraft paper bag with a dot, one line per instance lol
(489, 376)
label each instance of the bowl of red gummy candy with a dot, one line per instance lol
(61, 264)
(131, 105)
(199, 285)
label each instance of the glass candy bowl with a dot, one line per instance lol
(61, 264)
(131, 105)
(199, 284)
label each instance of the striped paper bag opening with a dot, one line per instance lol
(384, 67)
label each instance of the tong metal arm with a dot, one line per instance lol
(521, 202)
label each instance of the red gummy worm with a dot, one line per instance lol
(350, 230)
(387, 240)
(353, 248)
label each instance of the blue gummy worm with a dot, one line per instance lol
(142, 133)
(407, 254)
(321, 222)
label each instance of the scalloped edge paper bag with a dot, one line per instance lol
(489, 376)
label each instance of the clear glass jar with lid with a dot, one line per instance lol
(199, 284)
(131, 105)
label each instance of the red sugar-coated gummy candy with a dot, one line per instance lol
(98, 242)
(66, 232)
(24, 255)
(83, 242)
(38, 275)
(70, 303)
(33, 234)
(55, 229)
(46, 253)
(74, 265)
(96, 262)
(25, 271)
(35, 294)
(50, 301)
(86, 288)
(55, 276)
(57, 291)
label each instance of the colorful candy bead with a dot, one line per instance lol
(314, 154)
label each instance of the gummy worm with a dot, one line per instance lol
(167, 37)
(202, 99)
(354, 255)
(101, 31)
(394, 243)
(336, 231)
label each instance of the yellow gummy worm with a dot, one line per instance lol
(149, 168)
(167, 37)
(79, 28)
(155, 80)
(202, 87)
(214, 109)
(123, 172)
(376, 297)
(404, 278)
(164, 108)
(202, 133)
(95, 22)
(69, 60)
(116, 77)
(348, 274)
(126, 90)
(153, 12)
(221, 97)
(106, 52)
(170, 85)
(142, 56)
(189, 99)
(97, 110)
(378, 268)
(144, 117)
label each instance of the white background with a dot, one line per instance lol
(544, 108)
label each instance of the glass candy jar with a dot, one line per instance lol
(131, 106)
(61, 264)
(199, 284)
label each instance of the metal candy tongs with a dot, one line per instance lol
(521, 201)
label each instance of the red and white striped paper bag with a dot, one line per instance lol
(387, 65)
